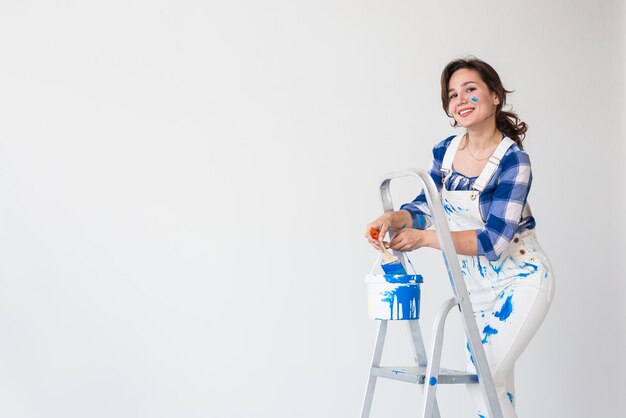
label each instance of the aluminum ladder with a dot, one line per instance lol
(424, 372)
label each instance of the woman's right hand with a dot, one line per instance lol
(381, 224)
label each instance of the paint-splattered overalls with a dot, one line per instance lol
(510, 296)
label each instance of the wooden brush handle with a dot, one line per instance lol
(387, 256)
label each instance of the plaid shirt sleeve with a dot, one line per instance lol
(508, 201)
(418, 208)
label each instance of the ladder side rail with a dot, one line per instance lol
(420, 356)
(376, 357)
(432, 373)
(419, 350)
(453, 267)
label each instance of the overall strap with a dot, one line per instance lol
(492, 165)
(446, 163)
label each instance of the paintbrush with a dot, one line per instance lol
(390, 264)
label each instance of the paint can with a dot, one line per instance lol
(393, 296)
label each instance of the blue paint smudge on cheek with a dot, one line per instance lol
(474, 99)
(488, 331)
(506, 309)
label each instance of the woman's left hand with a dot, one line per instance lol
(408, 239)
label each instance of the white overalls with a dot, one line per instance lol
(510, 296)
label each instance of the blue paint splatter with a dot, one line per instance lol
(488, 331)
(510, 395)
(470, 351)
(404, 302)
(505, 310)
(481, 269)
(481, 416)
(432, 381)
(451, 209)
(497, 269)
(448, 208)
(388, 297)
(474, 99)
(533, 269)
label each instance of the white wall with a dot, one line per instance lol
(185, 185)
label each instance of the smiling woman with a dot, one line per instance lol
(484, 178)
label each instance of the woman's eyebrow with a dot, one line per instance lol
(467, 82)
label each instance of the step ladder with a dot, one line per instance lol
(424, 372)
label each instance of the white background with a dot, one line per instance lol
(184, 186)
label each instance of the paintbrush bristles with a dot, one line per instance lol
(387, 256)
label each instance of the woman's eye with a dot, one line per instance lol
(470, 89)
(452, 96)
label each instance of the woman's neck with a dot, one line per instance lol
(484, 137)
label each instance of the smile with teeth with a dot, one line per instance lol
(465, 112)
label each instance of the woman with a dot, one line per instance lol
(484, 177)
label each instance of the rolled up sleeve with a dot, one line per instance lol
(418, 208)
(506, 208)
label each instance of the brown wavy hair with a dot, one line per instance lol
(506, 121)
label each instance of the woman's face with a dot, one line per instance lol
(470, 101)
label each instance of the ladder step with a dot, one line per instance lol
(418, 375)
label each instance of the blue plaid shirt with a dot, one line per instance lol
(501, 203)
